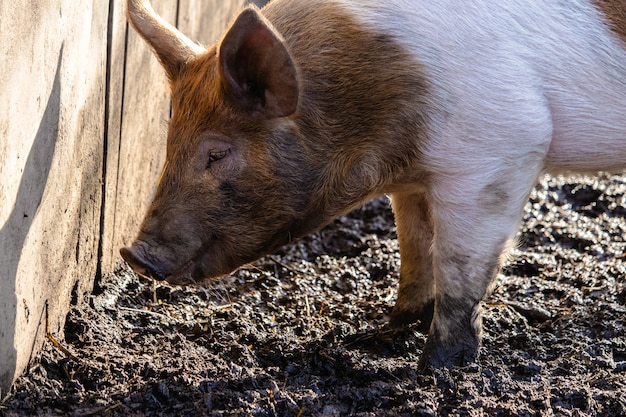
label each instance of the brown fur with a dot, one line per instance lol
(362, 131)
(615, 12)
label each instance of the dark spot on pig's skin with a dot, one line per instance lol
(495, 197)
(227, 188)
(484, 273)
(456, 309)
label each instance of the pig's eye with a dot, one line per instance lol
(216, 156)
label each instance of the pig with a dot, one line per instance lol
(305, 110)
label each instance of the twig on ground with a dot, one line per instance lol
(284, 265)
(4, 399)
(56, 343)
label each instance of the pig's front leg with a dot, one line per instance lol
(416, 295)
(474, 219)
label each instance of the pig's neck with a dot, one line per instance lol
(363, 102)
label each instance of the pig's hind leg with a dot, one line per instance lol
(416, 296)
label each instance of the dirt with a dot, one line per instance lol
(304, 332)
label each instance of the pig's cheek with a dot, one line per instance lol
(208, 266)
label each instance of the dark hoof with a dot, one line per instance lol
(461, 352)
(423, 316)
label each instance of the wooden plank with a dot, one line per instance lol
(117, 42)
(205, 21)
(80, 152)
(50, 166)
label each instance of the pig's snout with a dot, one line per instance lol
(135, 257)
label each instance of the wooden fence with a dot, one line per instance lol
(83, 111)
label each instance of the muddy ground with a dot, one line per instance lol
(304, 332)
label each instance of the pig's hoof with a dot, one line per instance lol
(404, 317)
(447, 355)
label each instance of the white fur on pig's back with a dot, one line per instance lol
(514, 78)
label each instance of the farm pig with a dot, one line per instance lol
(306, 109)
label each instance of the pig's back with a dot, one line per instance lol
(484, 59)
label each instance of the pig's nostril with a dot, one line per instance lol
(140, 265)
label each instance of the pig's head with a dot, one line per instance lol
(270, 140)
(237, 182)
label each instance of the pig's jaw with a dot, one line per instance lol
(209, 262)
(183, 276)
(192, 271)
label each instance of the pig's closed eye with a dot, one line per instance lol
(216, 156)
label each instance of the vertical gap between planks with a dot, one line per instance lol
(105, 143)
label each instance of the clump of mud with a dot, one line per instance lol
(304, 332)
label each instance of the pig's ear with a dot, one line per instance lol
(257, 68)
(172, 47)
